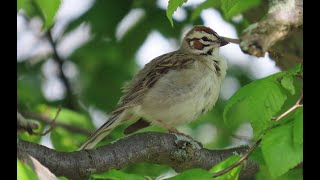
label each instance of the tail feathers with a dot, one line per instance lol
(102, 132)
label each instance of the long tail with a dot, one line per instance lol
(102, 132)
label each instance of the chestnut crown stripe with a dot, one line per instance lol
(205, 29)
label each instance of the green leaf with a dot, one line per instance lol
(264, 174)
(231, 8)
(62, 139)
(48, 10)
(28, 8)
(257, 156)
(231, 175)
(23, 4)
(279, 151)
(257, 103)
(20, 4)
(294, 174)
(298, 127)
(287, 83)
(297, 69)
(146, 169)
(66, 116)
(288, 80)
(172, 7)
(24, 171)
(205, 5)
(191, 174)
(115, 175)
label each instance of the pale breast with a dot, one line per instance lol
(181, 96)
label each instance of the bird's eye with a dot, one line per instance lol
(205, 38)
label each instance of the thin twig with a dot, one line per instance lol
(243, 138)
(47, 120)
(71, 101)
(235, 41)
(298, 104)
(51, 124)
(294, 107)
(25, 125)
(244, 157)
(270, 51)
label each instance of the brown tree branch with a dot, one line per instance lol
(25, 125)
(152, 147)
(282, 17)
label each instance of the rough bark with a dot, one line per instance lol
(159, 148)
(284, 19)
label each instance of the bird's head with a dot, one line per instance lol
(202, 40)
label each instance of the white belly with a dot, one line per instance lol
(181, 96)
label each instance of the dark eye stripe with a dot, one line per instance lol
(206, 39)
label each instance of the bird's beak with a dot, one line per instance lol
(223, 41)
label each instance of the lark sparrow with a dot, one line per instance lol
(172, 89)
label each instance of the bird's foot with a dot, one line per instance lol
(181, 137)
(174, 130)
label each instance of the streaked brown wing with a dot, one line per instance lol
(135, 90)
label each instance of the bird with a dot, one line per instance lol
(172, 89)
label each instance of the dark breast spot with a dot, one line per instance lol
(216, 65)
(208, 53)
(207, 93)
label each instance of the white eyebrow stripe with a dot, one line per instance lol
(205, 42)
(191, 43)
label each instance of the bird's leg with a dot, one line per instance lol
(173, 130)
(180, 139)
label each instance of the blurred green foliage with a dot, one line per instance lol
(233, 174)
(191, 174)
(105, 63)
(24, 172)
(266, 95)
(116, 175)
